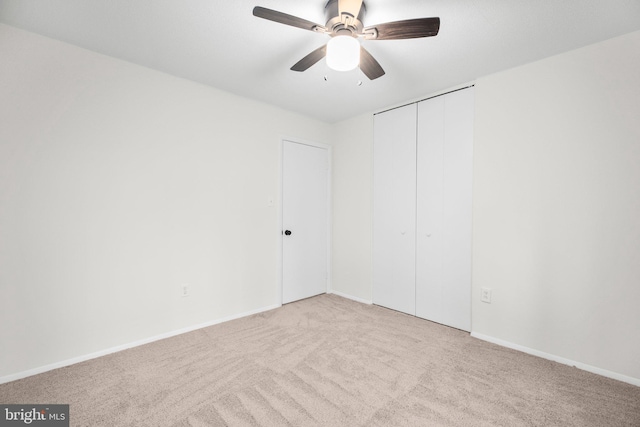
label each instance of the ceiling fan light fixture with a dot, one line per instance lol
(343, 53)
(345, 25)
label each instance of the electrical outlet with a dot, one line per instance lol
(184, 290)
(485, 295)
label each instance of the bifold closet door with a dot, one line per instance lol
(394, 208)
(444, 207)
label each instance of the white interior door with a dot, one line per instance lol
(394, 209)
(305, 215)
(457, 201)
(430, 209)
(445, 166)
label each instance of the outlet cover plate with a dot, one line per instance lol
(485, 295)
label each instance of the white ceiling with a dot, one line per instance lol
(221, 44)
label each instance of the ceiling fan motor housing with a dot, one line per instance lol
(345, 24)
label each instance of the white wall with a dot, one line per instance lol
(118, 184)
(557, 206)
(352, 193)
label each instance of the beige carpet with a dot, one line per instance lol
(328, 361)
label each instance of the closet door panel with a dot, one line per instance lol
(457, 202)
(430, 186)
(394, 209)
(444, 174)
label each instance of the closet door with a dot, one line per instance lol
(430, 211)
(443, 244)
(394, 208)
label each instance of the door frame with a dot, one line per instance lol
(279, 230)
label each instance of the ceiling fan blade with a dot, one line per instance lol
(351, 7)
(407, 29)
(369, 65)
(283, 18)
(309, 60)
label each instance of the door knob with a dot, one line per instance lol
(287, 232)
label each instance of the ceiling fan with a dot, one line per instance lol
(344, 25)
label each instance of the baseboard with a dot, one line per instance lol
(351, 297)
(68, 362)
(548, 356)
